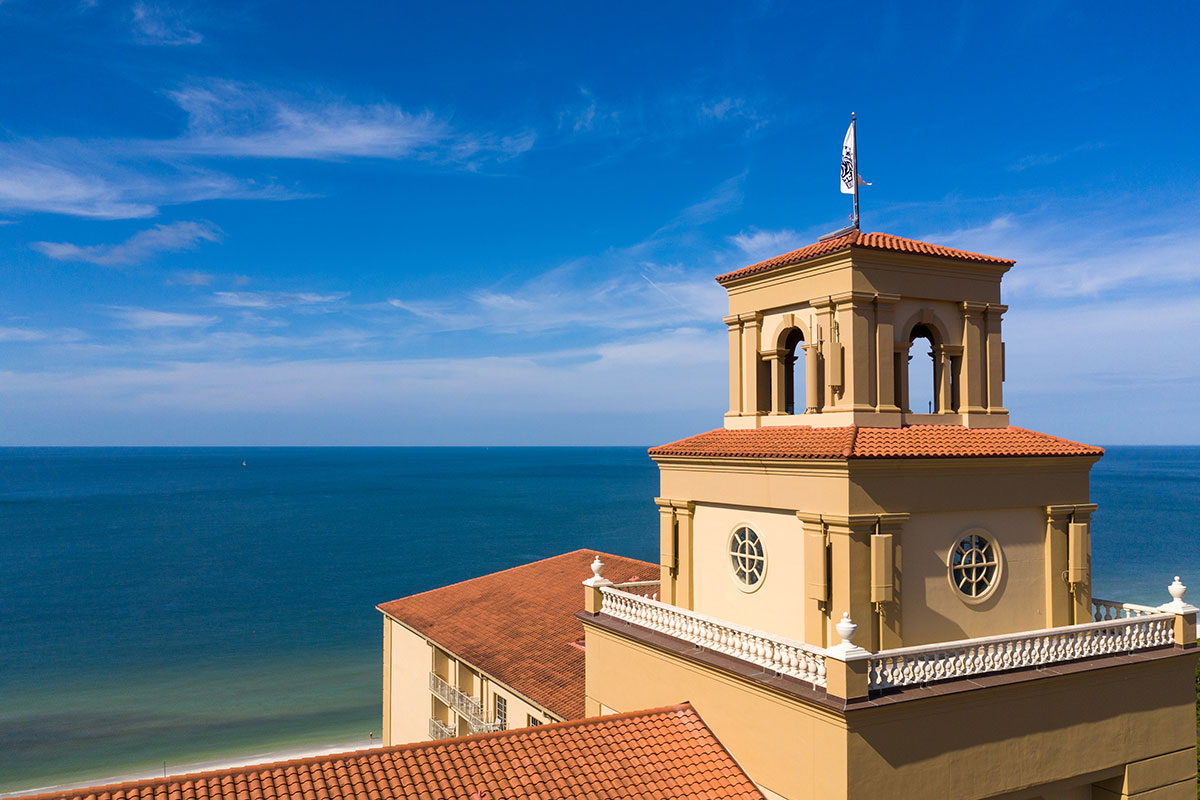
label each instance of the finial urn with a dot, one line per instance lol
(846, 628)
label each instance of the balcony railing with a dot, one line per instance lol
(777, 654)
(910, 666)
(1118, 628)
(440, 730)
(457, 699)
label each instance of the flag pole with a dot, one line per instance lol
(854, 125)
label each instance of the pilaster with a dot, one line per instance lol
(816, 580)
(1058, 604)
(885, 353)
(668, 550)
(850, 573)
(751, 328)
(824, 315)
(889, 614)
(735, 365)
(855, 318)
(995, 360)
(973, 373)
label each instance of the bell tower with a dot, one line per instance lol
(826, 492)
(839, 317)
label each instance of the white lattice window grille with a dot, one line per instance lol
(747, 559)
(974, 566)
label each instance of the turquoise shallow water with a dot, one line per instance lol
(172, 605)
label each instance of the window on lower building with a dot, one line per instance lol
(534, 720)
(502, 711)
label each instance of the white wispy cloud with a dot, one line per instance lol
(760, 244)
(232, 119)
(276, 299)
(1120, 251)
(149, 319)
(142, 246)
(107, 180)
(161, 24)
(193, 278)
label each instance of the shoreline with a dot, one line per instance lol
(232, 762)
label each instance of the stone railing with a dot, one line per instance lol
(1105, 610)
(460, 701)
(909, 666)
(440, 730)
(783, 656)
(847, 670)
(640, 588)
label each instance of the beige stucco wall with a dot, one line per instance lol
(1061, 732)
(934, 612)
(777, 603)
(943, 498)
(408, 702)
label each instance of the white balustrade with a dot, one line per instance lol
(910, 666)
(779, 655)
(640, 588)
(1105, 610)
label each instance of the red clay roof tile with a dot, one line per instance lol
(661, 753)
(521, 626)
(914, 441)
(870, 241)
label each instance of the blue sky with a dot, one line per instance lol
(369, 223)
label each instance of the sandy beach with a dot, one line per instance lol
(208, 766)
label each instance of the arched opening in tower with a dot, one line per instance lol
(795, 390)
(922, 372)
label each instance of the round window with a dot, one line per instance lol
(746, 557)
(974, 566)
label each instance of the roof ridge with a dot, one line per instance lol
(379, 606)
(185, 777)
(853, 437)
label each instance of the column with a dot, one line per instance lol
(885, 353)
(735, 366)
(816, 580)
(944, 371)
(812, 379)
(890, 633)
(901, 350)
(1058, 602)
(850, 575)
(973, 372)
(668, 550)
(995, 360)
(750, 332)
(777, 363)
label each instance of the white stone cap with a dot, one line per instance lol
(597, 580)
(847, 650)
(1177, 590)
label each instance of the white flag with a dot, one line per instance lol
(849, 161)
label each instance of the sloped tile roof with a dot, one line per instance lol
(663, 753)
(870, 241)
(519, 625)
(914, 441)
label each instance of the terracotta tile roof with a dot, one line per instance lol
(870, 241)
(664, 753)
(519, 625)
(914, 441)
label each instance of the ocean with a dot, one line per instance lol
(161, 607)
